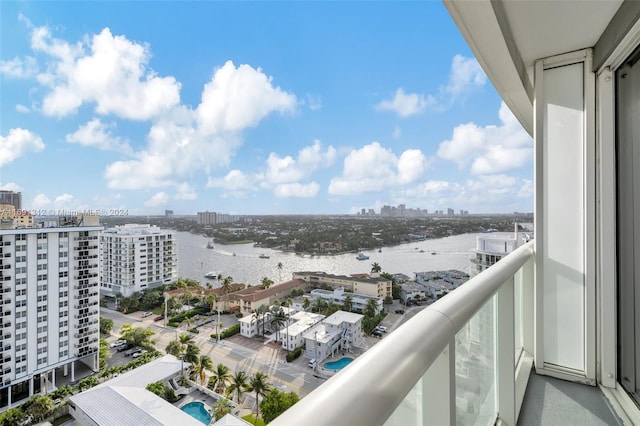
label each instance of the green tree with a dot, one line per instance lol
(174, 348)
(221, 408)
(347, 305)
(13, 417)
(103, 353)
(258, 383)
(280, 266)
(204, 363)
(191, 354)
(106, 325)
(375, 268)
(211, 300)
(219, 379)
(238, 384)
(370, 309)
(40, 406)
(266, 282)
(306, 303)
(139, 336)
(157, 387)
(275, 403)
(278, 319)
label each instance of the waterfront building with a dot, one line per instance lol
(299, 323)
(136, 257)
(491, 247)
(49, 311)
(338, 296)
(439, 283)
(366, 284)
(250, 298)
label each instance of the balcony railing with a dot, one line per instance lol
(462, 360)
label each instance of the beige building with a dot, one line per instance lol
(369, 285)
(251, 298)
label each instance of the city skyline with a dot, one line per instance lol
(251, 108)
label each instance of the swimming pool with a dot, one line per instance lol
(198, 411)
(339, 364)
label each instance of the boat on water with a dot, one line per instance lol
(362, 256)
(234, 253)
(210, 245)
(263, 256)
(213, 275)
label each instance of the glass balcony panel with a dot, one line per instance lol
(475, 368)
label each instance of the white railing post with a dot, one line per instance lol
(505, 366)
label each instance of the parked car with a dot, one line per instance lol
(159, 318)
(381, 329)
(131, 351)
(312, 363)
(124, 347)
(137, 354)
(376, 333)
(118, 343)
(147, 314)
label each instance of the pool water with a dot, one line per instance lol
(339, 364)
(197, 411)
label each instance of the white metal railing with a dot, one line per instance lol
(410, 376)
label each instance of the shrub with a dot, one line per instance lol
(193, 330)
(228, 332)
(294, 354)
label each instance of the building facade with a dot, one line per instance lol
(11, 198)
(338, 332)
(338, 296)
(49, 313)
(370, 285)
(136, 257)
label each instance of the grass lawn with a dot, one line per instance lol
(251, 419)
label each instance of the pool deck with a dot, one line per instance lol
(197, 396)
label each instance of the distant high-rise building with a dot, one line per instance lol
(49, 312)
(207, 218)
(11, 197)
(363, 212)
(168, 213)
(136, 257)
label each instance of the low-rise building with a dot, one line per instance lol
(339, 332)
(299, 323)
(439, 283)
(368, 284)
(249, 299)
(338, 296)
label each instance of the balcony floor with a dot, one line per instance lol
(549, 401)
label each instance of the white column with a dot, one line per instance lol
(73, 371)
(53, 379)
(65, 370)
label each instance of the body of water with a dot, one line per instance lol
(243, 262)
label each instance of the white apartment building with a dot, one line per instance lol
(49, 313)
(135, 257)
(338, 332)
(299, 323)
(338, 296)
(369, 284)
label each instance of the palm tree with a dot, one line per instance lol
(204, 363)
(348, 303)
(186, 339)
(191, 354)
(219, 379)
(278, 320)
(266, 282)
(375, 268)
(306, 303)
(263, 309)
(279, 266)
(221, 408)
(370, 308)
(174, 348)
(211, 300)
(238, 385)
(226, 288)
(258, 384)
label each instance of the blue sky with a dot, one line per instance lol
(252, 108)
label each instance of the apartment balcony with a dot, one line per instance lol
(465, 359)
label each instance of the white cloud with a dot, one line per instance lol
(405, 104)
(97, 134)
(40, 201)
(10, 186)
(287, 169)
(184, 191)
(373, 168)
(22, 108)
(114, 75)
(150, 171)
(17, 143)
(235, 180)
(287, 190)
(157, 200)
(238, 98)
(465, 74)
(19, 68)
(489, 149)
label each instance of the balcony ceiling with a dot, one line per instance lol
(507, 37)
